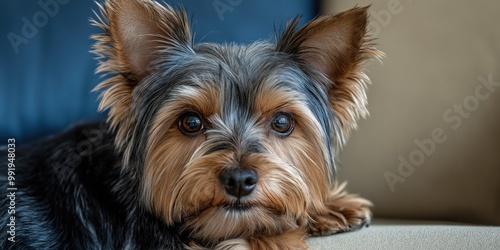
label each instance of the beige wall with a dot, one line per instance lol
(439, 53)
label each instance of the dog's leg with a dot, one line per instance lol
(290, 240)
(343, 212)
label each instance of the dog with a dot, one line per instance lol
(206, 146)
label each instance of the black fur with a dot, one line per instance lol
(70, 196)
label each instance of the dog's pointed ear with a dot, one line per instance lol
(136, 30)
(138, 35)
(337, 47)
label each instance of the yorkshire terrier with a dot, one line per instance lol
(206, 146)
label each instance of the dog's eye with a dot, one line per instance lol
(190, 123)
(282, 123)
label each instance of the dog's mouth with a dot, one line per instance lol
(244, 207)
(232, 220)
(237, 206)
(225, 207)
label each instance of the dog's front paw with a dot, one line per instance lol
(343, 213)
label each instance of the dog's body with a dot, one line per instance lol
(206, 146)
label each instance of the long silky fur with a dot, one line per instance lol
(117, 90)
(348, 89)
(146, 184)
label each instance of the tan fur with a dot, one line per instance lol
(296, 194)
(135, 32)
(290, 194)
(289, 240)
(169, 151)
(339, 47)
(342, 212)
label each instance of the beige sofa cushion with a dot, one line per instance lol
(397, 235)
(431, 148)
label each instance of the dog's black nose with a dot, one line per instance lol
(238, 182)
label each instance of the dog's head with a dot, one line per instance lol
(230, 140)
